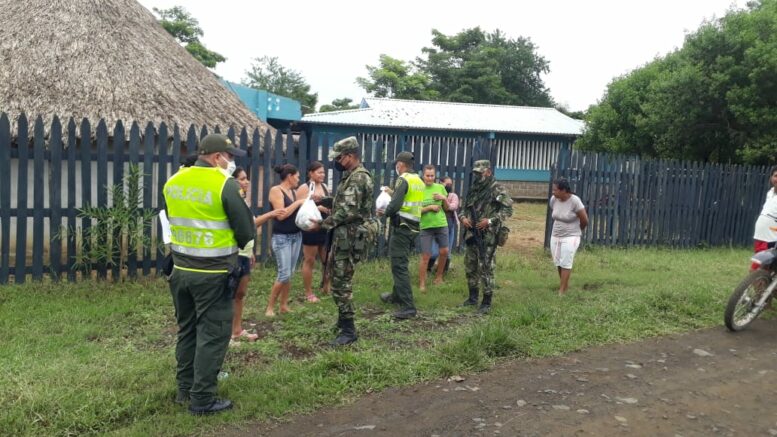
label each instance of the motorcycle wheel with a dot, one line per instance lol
(741, 311)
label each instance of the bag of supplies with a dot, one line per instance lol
(308, 214)
(383, 200)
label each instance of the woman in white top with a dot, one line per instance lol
(246, 260)
(765, 234)
(569, 221)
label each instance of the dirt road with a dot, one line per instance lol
(703, 383)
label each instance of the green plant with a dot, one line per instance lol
(117, 230)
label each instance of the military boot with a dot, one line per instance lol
(347, 333)
(485, 306)
(473, 297)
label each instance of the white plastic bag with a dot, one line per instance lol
(383, 200)
(308, 214)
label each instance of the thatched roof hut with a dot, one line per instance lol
(106, 59)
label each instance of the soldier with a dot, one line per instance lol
(209, 221)
(483, 215)
(349, 222)
(405, 214)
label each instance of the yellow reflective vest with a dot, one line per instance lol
(414, 198)
(198, 221)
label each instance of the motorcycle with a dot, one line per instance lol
(754, 293)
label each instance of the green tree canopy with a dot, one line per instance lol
(338, 105)
(472, 66)
(397, 79)
(714, 99)
(268, 74)
(186, 30)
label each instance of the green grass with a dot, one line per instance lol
(96, 358)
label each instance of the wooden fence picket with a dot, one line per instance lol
(5, 198)
(55, 202)
(37, 200)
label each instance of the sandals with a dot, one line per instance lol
(245, 335)
(312, 298)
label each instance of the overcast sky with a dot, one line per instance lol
(587, 43)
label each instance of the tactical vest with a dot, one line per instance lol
(414, 198)
(198, 222)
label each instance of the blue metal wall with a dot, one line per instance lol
(266, 105)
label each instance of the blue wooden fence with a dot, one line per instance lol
(47, 177)
(635, 202)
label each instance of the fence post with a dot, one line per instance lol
(38, 187)
(5, 197)
(55, 200)
(21, 201)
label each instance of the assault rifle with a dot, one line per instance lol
(477, 234)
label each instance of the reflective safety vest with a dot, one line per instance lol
(198, 222)
(414, 198)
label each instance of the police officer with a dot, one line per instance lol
(484, 211)
(351, 213)
(404, 211)
(209, 221)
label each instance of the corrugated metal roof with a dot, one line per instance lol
(417, 114)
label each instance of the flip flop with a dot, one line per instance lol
(245, 335)
(312, 299)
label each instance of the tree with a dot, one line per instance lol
(268, 74)
(397, 79)
(472, 66)
(478, 67)
(187, 31)
(714, 99)
(338, 105)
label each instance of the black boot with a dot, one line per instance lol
(485, 306)
(347, 333)
(447, 265)
(473, 297)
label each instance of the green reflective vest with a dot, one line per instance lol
(414, 198)
(198, 222)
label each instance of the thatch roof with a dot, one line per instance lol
(106, 59)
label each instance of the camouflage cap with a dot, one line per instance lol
(406, 157)
(214, 143)
(481, 166)
(346, 145)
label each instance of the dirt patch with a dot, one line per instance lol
(262, 328)
(707, 382)
(527, 226)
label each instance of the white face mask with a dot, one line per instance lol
(231, 166)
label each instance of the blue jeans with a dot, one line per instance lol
(286, 248)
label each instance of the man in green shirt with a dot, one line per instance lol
(434, 226)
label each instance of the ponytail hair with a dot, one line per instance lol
(313, 166)
(284, 170)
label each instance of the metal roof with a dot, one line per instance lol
(448, 116)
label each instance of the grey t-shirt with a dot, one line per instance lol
(565, 220)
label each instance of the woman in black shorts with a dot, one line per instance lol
(314, 243)
(246, 261)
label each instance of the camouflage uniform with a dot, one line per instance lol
(350, 243)
(486, 199)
